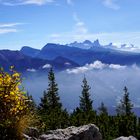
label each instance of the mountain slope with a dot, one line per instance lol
(29, 51)
(83, 56)
(23, 62)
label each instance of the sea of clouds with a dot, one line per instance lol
(106, 81)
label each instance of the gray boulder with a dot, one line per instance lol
(126, 138)
(86, 132)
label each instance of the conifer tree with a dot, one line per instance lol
(50, 99)
(125, 106)
(50, 107)
(84, 114)
(125, 114)
(52, 92)
(85, 101)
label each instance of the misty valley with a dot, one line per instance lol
(106, 86)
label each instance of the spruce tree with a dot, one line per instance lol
(51, 99)
(84, 114)
(52, 92)
(125, 106)
(50, 107)
(85, 101)
(125, 114)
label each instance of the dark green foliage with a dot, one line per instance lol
(50, 108)
(85, 101)
(83, 114)
(79, 117)
(43, 106)
(138, 128)
(52, 92)
(125, 106)
(126, 119)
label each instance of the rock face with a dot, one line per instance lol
(86, 132)
(126, 138)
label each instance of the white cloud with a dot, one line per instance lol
(2, 25)
(98, 65)
(67, 63)
(46, 66)
(25, 2)
(37, 2)
(8, 28)
(111, 4)
(77, 70)
(31, 70)
(4, 31)
(114, 66)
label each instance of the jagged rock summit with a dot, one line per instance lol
(86, 132)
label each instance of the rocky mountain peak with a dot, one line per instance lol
(96, 43)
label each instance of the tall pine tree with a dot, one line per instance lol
(50, 107)
(51, 99)
(85, 101)
(52, 92)
(125, 106)
(125, 115)
(84, 114)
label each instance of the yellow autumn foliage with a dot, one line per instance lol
(12, 99)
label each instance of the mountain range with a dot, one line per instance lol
(87, 44)
(25, 63)
(62, 57)
(82, 56)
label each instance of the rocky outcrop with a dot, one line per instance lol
(126, 138)
(86, 132)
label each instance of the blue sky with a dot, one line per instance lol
(37, 22)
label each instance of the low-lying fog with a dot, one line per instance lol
(106, 82)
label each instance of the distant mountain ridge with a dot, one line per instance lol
(87, 44)
(68, 56)
(83, 56)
